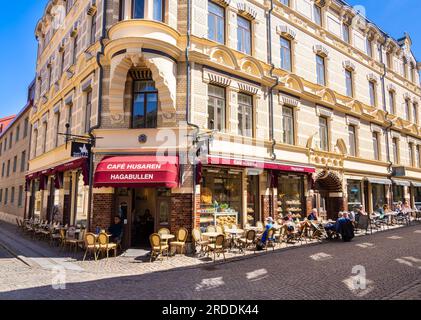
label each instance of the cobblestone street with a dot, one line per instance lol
(391, 261)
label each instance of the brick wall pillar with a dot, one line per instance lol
(103, 210)
(66, 209)
(181, 212)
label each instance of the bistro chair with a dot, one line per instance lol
(91, 245)
(217, 247)
(249, 240)
(198, 240)
(105, 246)
(364, 223)
(164, 231)
(157, 247)
(270, 240)
(182, 235)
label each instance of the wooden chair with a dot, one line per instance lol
(157, 247)
(217, 247)
(364, 223)
(105, 246)
(270, 240)
(91, 245)
(248, 241)
(197, 237)
(182, 235)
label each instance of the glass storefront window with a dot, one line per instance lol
(417, 197)
(252, 199)
(37, 205)
(354, 194)
(290, 195)
(82, 202)
(221, 197)
(379, 195)
(398, 194)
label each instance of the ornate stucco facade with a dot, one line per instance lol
(177, 54)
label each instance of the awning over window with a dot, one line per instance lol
(137, 172)
(416, 184)
(259, 164)
(379, 181)
(401, 183)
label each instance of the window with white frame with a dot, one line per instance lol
(317, 14)
(216, 22)
(349, 83)
(352, 134)
(216, 107)
(324, 133)
(372, 91)
(345, 33)
(320, 70)
(245, 115)
(243, 35)
(369, 47)
(286, 54)
(288, 125)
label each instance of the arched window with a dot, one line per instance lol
(145, 104)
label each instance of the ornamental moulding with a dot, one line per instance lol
(247, 88)
(246, 10)
(320, 50)
(286, 32)
(218, 79)
(372, 77)
(348, 65)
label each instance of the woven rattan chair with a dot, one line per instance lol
(105, 246)
(164, 231)
(157, 247)
(91, 245)
(217, 247)
(270, 240)
(198, 240)
(248, 240)
(182, 235)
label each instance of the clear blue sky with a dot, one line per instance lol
(18, 52)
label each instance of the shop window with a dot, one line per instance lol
(81, 217)
(221, 197)
(398, 194)
(243, 35)
(378, 192)
(291, 195)
(216, 108)
(145, 104)
(354, 194)
(216, 22)
(252, 199)
(288, 125)
(37, 204)
(245, 115)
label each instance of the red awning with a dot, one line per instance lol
(259, 164)
(137, 172)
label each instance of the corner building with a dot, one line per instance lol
(220, 112)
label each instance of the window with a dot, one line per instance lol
(243, 35)
(15, 163)
(62, 56)
(415, 113)
(216, 22)
(285, 54)
(145, 104)
(6, 196)
(50, 75)
(372, 89)
(321, 77)
(216, 108)
(93, 29)
(159, 10)
(288, 125)
(413, 73)
(395, 147)
(1, 195)
(3, 169)
(392, 102)
(44, 143)
(245, 115)
(411, 154)
(348, 83)
(376, 146)
(57, 129)
(75, 48)
(317, 14)
(88, 110)
(5, 144)
(407, 113)
(417, 156)
(25, 128)
(404, 71)
(12, 195)
(345, 33)
(285, 2)
(17, 133)
(11, 140)
(389, 60)
(69, 118)
(20, 196)
(69, 5)
(352, 141)
(121, 10)
(23, 161)
(35, 142)
(8, 168)
(324, 134)
(369, 46)
(138, 7)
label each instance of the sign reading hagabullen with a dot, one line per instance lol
(80, 150)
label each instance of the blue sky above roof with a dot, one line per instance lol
(19, 47)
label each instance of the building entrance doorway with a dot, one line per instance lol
(329, 189)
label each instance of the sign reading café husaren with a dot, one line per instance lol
(80, 150)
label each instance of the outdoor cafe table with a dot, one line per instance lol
(234, 234)
(167, 237)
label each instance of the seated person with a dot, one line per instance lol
(332, 227)
(116, 229)
(359, 212)
(313, 216)
(345, 228)
(269, 225)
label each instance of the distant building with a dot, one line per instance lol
(4, 122)
(14, 155)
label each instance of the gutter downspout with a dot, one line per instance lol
(188, 106)
(269, 46)
(98, 125)
(386, 131)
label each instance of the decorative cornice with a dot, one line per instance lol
(348, 65)
(289, 100)
(286, 32)
(218, 79)
(224, 3)
(247, 88)
(391, 87)
(320, 50)
(372, 77)
(246, 10)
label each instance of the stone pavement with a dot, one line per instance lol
(385, 265)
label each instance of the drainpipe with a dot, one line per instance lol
(387, 129)
(269, 46)
(188, 96)
(98, 125)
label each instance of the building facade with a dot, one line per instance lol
(14, 156)
(4, 122)
(219, 111)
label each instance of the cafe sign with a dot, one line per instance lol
(80, 150)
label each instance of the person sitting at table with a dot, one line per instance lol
(345, 228)
(360, 212)
(116, 230)
(331, 227)
(313, 216)
(269, 225)
(406, 207)
(398, 207)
